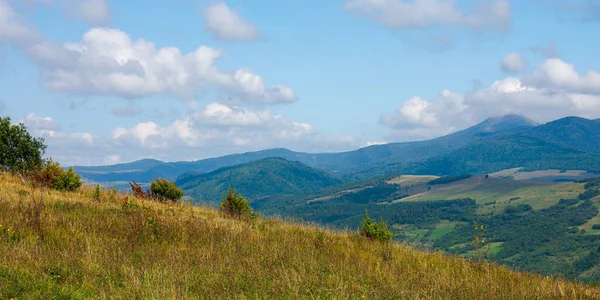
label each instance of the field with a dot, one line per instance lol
(412, 179)
(549, 175)
(68, 245)
(501, 191)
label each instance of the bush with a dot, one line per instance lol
(375, 231)
(52, 175)
(96, 194)
(166, 190)
(235, 205)
(596, 226)
(19, 151)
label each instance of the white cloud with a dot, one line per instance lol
(373, 143)
(513, 63)
(226, 24)
(555, 73)
(400, 14)
(111, 160)
(40, 125)
(214, 130)
(93, 12)
(553, 91)
(107, 62)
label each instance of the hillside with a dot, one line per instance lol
(261, 178)
(495, 144)
(527, 220)
(67, 245)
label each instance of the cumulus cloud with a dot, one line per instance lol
(214, 130)
(557, 74)
(40, 125)
(552, 91)
(400, 14)
(107, 62)
(513, 63)
(226, 24)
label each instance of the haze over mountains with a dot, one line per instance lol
(495, 144)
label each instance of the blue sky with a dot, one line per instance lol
(113, 81)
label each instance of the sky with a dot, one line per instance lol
(107, 81)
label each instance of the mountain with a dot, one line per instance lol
(257, 179)
(82, 248)
(568, 143)
(494, 144)
(142, 171)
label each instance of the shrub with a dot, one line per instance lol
(96, 194)
(375, 231)
(235, 205)
(166, 190)
(19, 151)
(138, 191)
(52, 175)
(596, 226)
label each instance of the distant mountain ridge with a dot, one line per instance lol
(508, 141)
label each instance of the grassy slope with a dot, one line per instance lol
(538, 195)
(75, 247)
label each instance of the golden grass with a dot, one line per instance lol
(67, 245)
(412, 179)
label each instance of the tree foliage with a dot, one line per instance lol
(52, 175)
(237, 206)
(375, 231)
(166, 190)
(19, 151)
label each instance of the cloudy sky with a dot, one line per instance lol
(107, 81)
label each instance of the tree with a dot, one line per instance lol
(235, 205)
(19, 151)
(166, 190)
(375, 231)
(52, 175)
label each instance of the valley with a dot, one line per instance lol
(525, 182)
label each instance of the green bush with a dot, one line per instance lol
(166, 190)
(375, 231)
(52, 175)
(235, 205)
(19, 151)
(96, 194)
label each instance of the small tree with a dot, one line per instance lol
(235, 205)
(375, 231)
(96, 194)
(19, 151)
(52, 175)
(166, 190)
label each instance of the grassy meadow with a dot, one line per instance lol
(62, 245)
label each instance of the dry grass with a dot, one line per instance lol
(67, 245)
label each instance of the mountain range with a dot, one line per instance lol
(497, 143)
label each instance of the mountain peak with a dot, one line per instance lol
(496, 124)
(504, 123)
